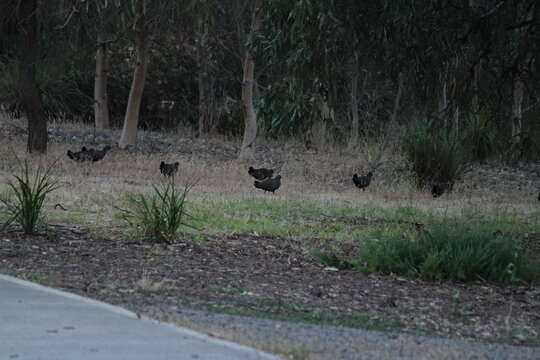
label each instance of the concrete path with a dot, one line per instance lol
(37, 322)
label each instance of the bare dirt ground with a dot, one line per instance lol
(270, 276)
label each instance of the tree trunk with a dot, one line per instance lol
(203, 104)
(319, 129)
(203, 81)
(398, 97)
(517, 112)
(248, 80)
(131, 120)
(101, 100)
(443, 102)
(354, 110)
(30, 93)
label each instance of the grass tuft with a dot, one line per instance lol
(24, 205)
(161, 215)
(435, 157)
(457, 251)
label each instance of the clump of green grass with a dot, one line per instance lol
(435, 157)
(458, 251)
(158, 216)
(24, 204)
(332, 259)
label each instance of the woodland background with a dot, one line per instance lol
(326, 72)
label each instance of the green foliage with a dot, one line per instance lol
(30, 190)
(435, 157)
(64, 89)
(160, 215)
(451, 251)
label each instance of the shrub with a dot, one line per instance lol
(450, 252)
(30, 191)
(160, 215)
(435, 157)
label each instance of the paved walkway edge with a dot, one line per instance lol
(121, 311)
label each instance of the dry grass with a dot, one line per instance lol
(94, 189)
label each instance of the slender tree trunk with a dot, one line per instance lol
(203, 81)
(319, 129)
(443, 102)
(131, 120)
(101, 100)
(203, 103)
(30, 93)
(397, 101)
(517, 105)
(248, 80)
(354, 110)
(250, 116)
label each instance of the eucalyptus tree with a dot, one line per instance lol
(297, 48)
(25, 15)
(148, 19)
(247, 149)
(103, 17)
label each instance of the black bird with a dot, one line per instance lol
(268, 184)
(168, 169)
(99, 154)
(260, 174)
(81, 156)
(438, 189)
(362, 182)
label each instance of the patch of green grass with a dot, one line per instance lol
(332, 259)
(459, 251)
(280, 310)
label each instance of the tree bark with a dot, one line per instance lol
(131, 120)
(101, 100)
(517, 108)
(248, 80)
(202, 54)
(354, 110)
(397, 101)
(319, 129)
(30, 93)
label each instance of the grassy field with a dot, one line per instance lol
(317, 213)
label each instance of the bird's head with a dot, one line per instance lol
(83, 148)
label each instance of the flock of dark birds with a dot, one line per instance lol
(91, 154)
(264, 179)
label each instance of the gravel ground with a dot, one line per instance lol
(330, 342)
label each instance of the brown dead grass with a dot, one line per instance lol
(306, 175)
